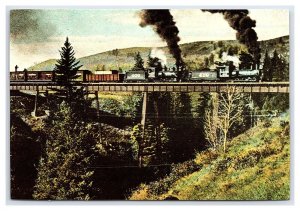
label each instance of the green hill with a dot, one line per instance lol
(255, 167)
(193, 54)
(46, 65)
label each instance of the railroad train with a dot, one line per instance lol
(222, 73)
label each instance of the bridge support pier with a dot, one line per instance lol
(143, 123)
(98, 116)
(33, 113)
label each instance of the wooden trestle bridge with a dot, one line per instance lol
(247, 87)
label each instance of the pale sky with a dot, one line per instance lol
(95, 31)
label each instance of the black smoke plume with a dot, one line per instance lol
(243, 24)
(164, 25)
(28, 25)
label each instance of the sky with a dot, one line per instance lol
(38, 35)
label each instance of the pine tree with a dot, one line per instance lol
(211, 59)
(276, 66)
(63, 171)
(206, 62)
(267, 70)
(230, 51)
(139, 62)
(66, 69)
(246, 60)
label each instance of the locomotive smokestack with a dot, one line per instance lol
(243, 24)
(164, 25)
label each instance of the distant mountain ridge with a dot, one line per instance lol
(191, 52)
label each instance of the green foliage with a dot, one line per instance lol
(211, 59)
(246, 60)
(24, 156)
(232, 50)
(267, 68)
(64, 169)
(139, 62)
(157, 188)
(112, 106)
(206, 62)
(127, 106)
(220, 44)
(150, 144)
(273, 102)
(220, 54)
(256, 167)
(275, 68)
(280, 68)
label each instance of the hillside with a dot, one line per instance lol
(193, 54)
(255, 167)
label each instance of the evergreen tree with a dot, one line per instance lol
(211, 59)
(220, 53)
(64, 169)
(267, 70)
(230, 51)
(66, 69)
(206, 62)
(246, 60)
(280, 67)
(139, 62)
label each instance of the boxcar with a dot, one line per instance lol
(103, 76)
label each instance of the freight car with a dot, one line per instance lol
(31, 75)
(45, 75)
(105, 76)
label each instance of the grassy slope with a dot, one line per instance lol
(255, 167)
(194, 51)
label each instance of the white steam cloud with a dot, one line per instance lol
(160, 54)
(235, 59)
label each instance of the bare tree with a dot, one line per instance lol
(226, 110)
(230, 111)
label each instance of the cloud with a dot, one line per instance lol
(29, 26)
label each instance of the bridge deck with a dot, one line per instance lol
(249, 87)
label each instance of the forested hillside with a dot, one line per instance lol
(194, 54)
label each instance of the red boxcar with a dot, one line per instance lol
(102, 78)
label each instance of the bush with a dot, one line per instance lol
(177, 171)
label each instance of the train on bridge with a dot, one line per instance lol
(223, 72)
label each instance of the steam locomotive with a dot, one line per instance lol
(222, 73)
